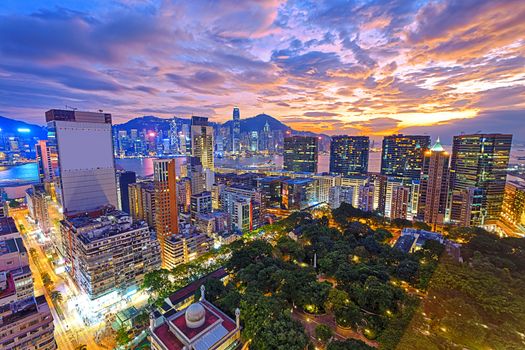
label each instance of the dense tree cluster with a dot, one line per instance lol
(342, 264)
(477, 304)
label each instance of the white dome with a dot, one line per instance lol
(195, 315)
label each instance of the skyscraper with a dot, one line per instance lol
(125, 179)
(236, 130)
(433, 188)
(402, 156)
(300, 154)
(166, 213)
(479, 161)
(202, 141)
(349, 155)
(196, 175)
(47, 162)
(83, 144)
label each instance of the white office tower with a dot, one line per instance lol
(86, 168)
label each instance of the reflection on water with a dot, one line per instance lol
(22, 175)
(28, 173)
(19, 174)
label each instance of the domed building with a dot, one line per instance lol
(200, 326)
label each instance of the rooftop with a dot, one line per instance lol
(7, 226)
(11, 246)
(190, 289)
(176, 332)
(298, 181)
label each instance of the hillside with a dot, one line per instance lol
(12, 126)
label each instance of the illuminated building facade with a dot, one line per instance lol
(433, 189)
(298, 193)
(400, 202)
(202, 141)
(25, 320)
(349, 155)
(243, 203)
(479, 161)
(402, 156)
(111, 252)
(513, 209)
(142, 202)
(181, 249)
(166, 210)
(236, 130)
(300, 154)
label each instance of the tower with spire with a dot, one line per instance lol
(433, 191)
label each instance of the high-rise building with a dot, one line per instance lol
(126, 178)
(142, 202)
(197, 175)
(479, 161)
(47, 162)
(166, 211)
(270, 188)
(111, 252)
(433, 189)
(181, 249)
(341, 194)
(236, 130)
(349, 155)
(298, 193)
(300, 154)
(513, 209)
(254, 141)
(83, 144)
(355, 182)
(391, 184)
(37, 202)
(26, 321)
(400, 202)
(200, 204)
(243, 203)
(202, 141)
(184, 194)
(402, 156)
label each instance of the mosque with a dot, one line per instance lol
(200, 326)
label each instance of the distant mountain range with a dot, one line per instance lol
(18, 127)
(153, 123)
(255, 123)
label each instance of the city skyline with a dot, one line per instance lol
(393, 67)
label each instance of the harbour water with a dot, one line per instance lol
(15, 179)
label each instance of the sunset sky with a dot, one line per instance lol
(355, 67)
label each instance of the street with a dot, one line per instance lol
(70, 330)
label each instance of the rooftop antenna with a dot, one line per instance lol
(69, 107)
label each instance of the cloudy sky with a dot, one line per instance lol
(356, 67)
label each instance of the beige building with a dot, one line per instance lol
(111, 252)
(181, 249)
(142, 202)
